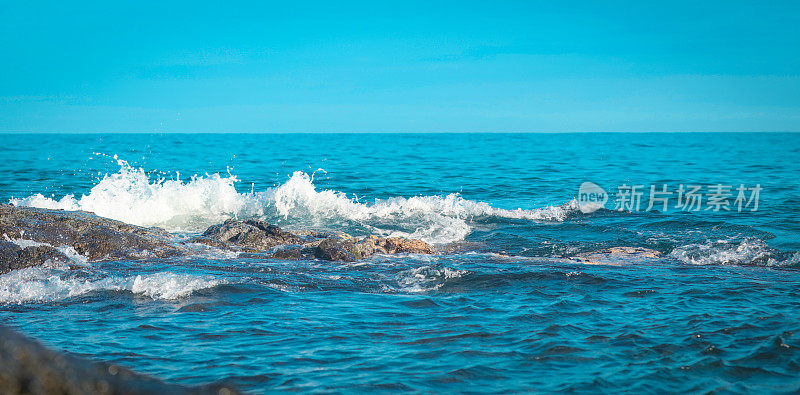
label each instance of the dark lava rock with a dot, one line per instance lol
(251, 234)
(26, 367)
(13, 256)
(94, 237)
(257, 235)
(291, 253)
(99, 238)
(334, 250)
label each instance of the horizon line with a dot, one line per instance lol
(398, 132)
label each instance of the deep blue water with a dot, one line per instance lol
(510, 309)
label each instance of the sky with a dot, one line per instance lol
(466, 66)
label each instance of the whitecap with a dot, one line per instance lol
(167, 285)
(426, 278)
(69, 251)
(748, 251)
(45, 284)
(132, 196)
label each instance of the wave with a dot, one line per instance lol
(132, 196)
(68, 251)
(44, 284)
(426, 278)
(749, 251)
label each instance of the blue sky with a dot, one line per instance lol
(198, 66)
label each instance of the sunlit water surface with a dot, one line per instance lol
(510, 309)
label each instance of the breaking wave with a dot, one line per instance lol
(43, 284)
(749, 251)
(132, 196)
(426, 278)
(68, 251)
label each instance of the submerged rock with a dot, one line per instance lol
(93, 237)
(26, 367)
(618, 256)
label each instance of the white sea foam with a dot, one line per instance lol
(793, 260)
(70, 252)
(426, 278)
(168, 285)
(43, 284)
(749, 251)
(131, 196)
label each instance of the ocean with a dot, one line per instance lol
(508, 304)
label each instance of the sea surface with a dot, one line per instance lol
(508, 306)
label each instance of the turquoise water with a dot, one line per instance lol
(509, 309)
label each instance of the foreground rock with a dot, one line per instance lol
(258, 236)
(618, 256)
(93, 237)
(26, 367)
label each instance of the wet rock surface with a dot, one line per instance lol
(12, 256)
(256, 235)
(350, 249)
(252, 234)
(97, 239)
(27, 367)
(93, 237)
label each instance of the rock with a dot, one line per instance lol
(333, 250)
(256, 235)
(618, 256)
(211, 242)
(26, 367)
(395, 245)
(94, 237)
(463, 246)
(98, 238)
(365, 247)
(14, 257)
(251, 234)
(311, 235)
(291, 253)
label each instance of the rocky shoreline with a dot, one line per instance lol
(34, 236)
(254, 235)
